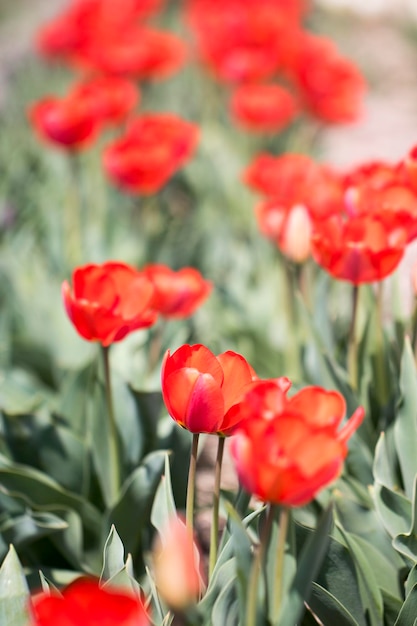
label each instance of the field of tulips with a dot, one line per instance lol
(180, 269)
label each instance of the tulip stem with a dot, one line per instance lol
(214, 531)
(191, 484)
(112, 429)
(353, 343)
(74, 226)
(279, 563)
(256, 569)
(382, 381)
(414, 329)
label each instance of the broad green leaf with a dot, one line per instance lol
(408, 613)
(163, 508)
(411, 580)
(148, 408)
(406, 543)
(32, 525)
(394, 510)
(382, 464)
(14, 592)
(405, 425)
(368, 586)
(308, 566)
(131, 513)
(76, 389)
(392, 606)
(226, 607)
(20, 393)
(113, 556)
(328, 608)
(242, 548)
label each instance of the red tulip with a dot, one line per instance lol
(68, 122)
(107, 302)
(361, 249)
(85, 603)
(111, 98)
(200, 389)
(331, 86)
(263, 107)
(177, 294)
(154, 147)
(286, 450)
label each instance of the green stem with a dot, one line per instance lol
(381, 371)
(75, 209)
(414, 329)
(279, 563)
(256, 569)
(191, 484)
(214, 531)
(114, 455)
(353, 342)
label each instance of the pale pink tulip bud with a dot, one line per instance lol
(295, 239)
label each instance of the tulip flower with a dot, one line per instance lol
(85, 603)
(263, 107)
(107, 302)
(286, 450)
(199, 389)
(69, 123)
(331, 86)
(154, 147)
(177, 293)
(111, 98)
(176, 566)
(290, 229)
(361, 249)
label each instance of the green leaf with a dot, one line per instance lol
(406, 543)
(407, 615)
(226, 608)
(113, 556)
(368, 587)
(308, 566)
(405, 425)
(163, 508)
(14, 592)
(328, 608)
(411, 580)
(394, 510)
(242, 548)
(131, 513)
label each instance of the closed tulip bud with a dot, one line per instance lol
(176, 566)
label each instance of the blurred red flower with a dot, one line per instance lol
(85, 21)
(293, 179)
(176, 566)
(289, 228)
(200, 389)
(68, 122)
(111, 98)
(244, 41)
(141, 52)
(286, 450)
(360, 249)
(107, 302)
(331, 86)
(154, 147)
(177, 293)
(85, 603)
(262, 107)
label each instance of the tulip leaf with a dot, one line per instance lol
(308, 566)
(148, 408)
(369, 590)
(14, 592)
(76, 389)
(20, 393)
(406, 543)
(223, 572)
(30, 526)
(226, 608)
(383, 472)
(394, 510)
(407, 615)
(131, 513)
(405, 425)
(163, 508)
(392, 606)
(242, 548)
(411, 580)
(328, 608)
(113, 556)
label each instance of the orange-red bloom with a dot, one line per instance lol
(360, 249)
(107, 302)
(154, 147)
(85, 603)
(176, 566)
(263, 107)
(68, 123)
(111, 98)
(331, 86)
(286, 450)
(177, 293)
(200, 389)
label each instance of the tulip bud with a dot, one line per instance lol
(295, 240)
(176, 566)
